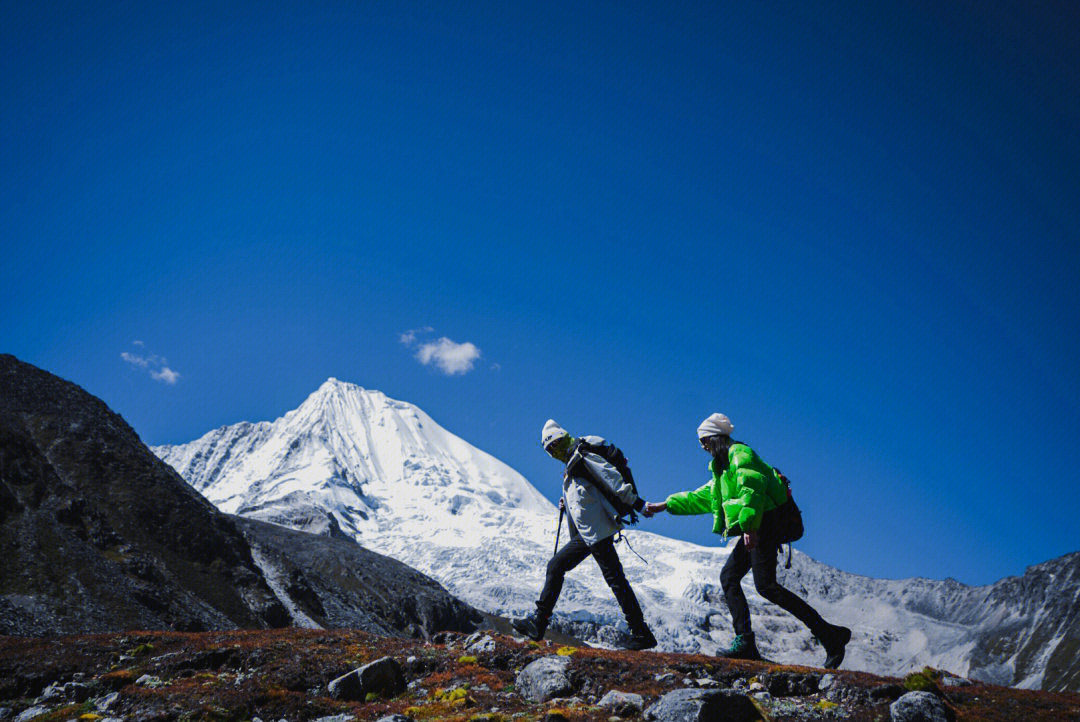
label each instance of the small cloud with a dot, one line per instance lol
(450, 357)
(134, 360)
(409, 337)
(166, 374)
(496, 367)
(152, 363)
(138, 343)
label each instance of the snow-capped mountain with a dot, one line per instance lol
(354, 462)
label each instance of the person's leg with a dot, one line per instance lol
(608, 560)
(736, 567)
(833, 637)
(763, 563)
(572, 554)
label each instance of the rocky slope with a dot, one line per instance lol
(301, 675)
(354, 462)
(99, 535)
(335, 583)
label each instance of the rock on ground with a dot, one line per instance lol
(479, 642)
(919, 707)
(624, 704)
(383, 677)
(702, 705)
(791, 684)
(31, 713)
(544, 679)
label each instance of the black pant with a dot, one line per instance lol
(572, 554)
(762, 561)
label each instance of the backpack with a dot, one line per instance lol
(614, 456)
(788, 520)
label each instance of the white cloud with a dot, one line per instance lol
(450, 357)
(153, 364)
(134, 360)
(409, 337)
(166, 374)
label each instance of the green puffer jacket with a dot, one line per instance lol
(739, 497)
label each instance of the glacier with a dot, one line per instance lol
(353, 462)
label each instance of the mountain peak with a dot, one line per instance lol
(334, 384)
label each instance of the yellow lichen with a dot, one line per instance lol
(451, 695)
(565, 651)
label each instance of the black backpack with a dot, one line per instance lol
(788, 519)
(614, 456)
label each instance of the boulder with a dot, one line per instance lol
(478, 643)
(919, 707)
(545, 678)
(886, 692)
(28, 714)
(791, 684)
(383, 677)
(107, 702)
(624, 704)
(703, 705)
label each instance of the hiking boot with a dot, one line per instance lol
(742, 647)
(530, 627)
(641, 639)
(835, 640)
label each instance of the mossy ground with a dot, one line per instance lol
(275, 674)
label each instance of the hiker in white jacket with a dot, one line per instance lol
(598, 490)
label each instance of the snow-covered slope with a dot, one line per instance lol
(352, 461)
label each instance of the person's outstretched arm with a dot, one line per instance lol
(699, 501)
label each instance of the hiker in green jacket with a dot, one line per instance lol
(743, 496)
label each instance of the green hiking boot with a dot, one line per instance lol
(742, 647)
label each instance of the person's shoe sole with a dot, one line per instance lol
(833, 661)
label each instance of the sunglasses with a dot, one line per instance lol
(558, 445)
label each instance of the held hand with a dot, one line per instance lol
(750, 539)
(562, 504)
(655, 507)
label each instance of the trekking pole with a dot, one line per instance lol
(558, 529)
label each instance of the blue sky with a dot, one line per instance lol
(852, 227)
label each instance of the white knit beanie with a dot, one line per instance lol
(715, 425)
(551, 433)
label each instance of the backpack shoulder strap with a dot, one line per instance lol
(577, 463)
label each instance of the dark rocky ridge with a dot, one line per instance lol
(99, 535)
(338, 583)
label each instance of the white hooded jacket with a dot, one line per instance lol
(592, 514)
